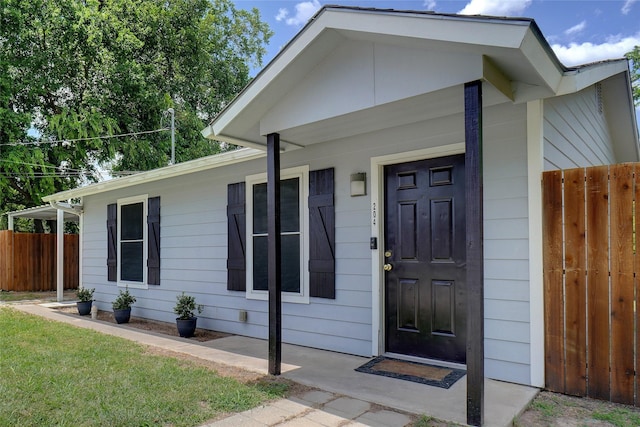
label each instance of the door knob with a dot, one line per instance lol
(388, 267)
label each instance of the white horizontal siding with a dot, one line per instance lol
(506, 246)
(194, 243)
(576, 134)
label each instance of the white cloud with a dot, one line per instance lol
(584, 53)
(627, 6)
(429, 4)
(576, 28)
(304, 11)
(495, 7)
(282, 14)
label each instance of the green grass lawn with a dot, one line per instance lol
(55, 374)
(19, 296)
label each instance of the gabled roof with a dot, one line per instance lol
(516, 60)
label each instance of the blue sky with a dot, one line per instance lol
(579, 31)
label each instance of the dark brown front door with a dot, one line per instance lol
(425, 292)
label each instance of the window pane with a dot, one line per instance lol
(289, 205)
(290, 270)
(260, 263)
(291, 263)
(260, 209)
(131, 268)
(131, 221)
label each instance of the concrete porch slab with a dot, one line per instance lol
(335, 372)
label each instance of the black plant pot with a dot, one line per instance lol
(122, 316)
(84, 307)
(186, 327)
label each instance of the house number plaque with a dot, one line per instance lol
(373, 213)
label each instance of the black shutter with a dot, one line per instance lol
(112, 242)
(153, 241)
(236, 221)
(322, 277)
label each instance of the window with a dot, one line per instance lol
(294, 229)
(132, 241)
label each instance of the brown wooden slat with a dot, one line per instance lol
(622, 283)
(6, 257)
(575, 283)
(598, 282)
(71, 261)
(553, 297)
(636, 269)
(34, 261)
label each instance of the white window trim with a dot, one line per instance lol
(128, 201)
(302, 173)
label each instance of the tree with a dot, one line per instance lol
(634, 57)
(79, 69)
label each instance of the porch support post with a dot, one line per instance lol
(475, 256)
(60, 255)
(274, 253)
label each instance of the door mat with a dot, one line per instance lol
(422, 373)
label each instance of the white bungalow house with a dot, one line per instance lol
(410, 149)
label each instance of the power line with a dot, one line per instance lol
(41, 166)
(62, 141)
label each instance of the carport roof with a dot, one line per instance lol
(45, 212)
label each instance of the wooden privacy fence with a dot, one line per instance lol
(28, 261)
(591, 290)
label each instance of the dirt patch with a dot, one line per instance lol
(552, 409)
(164, 328)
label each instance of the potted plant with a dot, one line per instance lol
(122, 306)
(185, 308)
(85, 297)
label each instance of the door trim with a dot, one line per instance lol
(377, 231)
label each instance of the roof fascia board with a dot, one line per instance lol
(582, 77)
(546, 66)
(443, 28)
(204, 163)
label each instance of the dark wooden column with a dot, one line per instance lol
(274, 253)
(475, 253)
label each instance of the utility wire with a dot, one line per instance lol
(41, 166)
(146, 132)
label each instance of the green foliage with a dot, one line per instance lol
(423, 421)
(85, 294)
(124, 300)
(186, 307)
(74, 69)
(634, 57)
(548, 409)
(57, 374)
(620, 417)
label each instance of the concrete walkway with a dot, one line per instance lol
(345, 397)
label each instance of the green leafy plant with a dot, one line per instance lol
(124, 300)
(186, 307)
(85, 294)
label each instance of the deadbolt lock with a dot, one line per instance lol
(387, 254)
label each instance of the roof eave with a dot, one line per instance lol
(192, 166)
